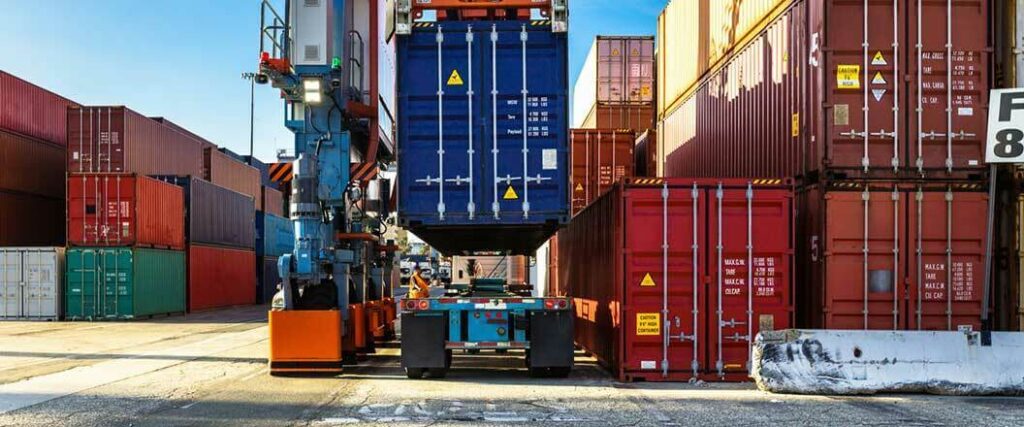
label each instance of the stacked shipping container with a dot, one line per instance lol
(33, 145)
(878, 109)
(615, 88)
(672, 279)
(600, 157)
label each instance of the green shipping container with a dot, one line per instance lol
(123, 283)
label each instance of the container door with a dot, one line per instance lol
(524, 71)
(41, 282)
(613, 159)
(82, 298)
(611, 61)
(101, 210)
(580, 182)
(11, 288)
(949, 84)
(750, 235)
(663, 315)
(639, 71)
(863, 259)
(865, 44)
(116, 274)
(947, 231)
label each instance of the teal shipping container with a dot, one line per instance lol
(123, 283)
(275, 235)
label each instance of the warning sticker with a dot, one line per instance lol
(615, 52)
(635, 52)
(879, 59)
(848, 77)
(511, 194)
(878, 93)
(795, 124)
(455, 79)
(878, 80)
(648, 281)
(645, 90)
(648, 324)
(579, 187)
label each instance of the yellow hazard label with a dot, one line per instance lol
(635, 52)
(879, 59)
(510, 194)
(615, 52)
(645, 90)
(795, 124)
(648, 324)
(648, 281)
(579, 187)
(455, 79)
(878, 80)
(848, 77)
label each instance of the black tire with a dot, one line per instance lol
(438, 373)
(560, 372)
(414, 373)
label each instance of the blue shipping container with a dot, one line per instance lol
(275, 235)
(483, 151)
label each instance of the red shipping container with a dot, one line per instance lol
(600, 157)
(205, 143)
(831, 89)
(225, 171)
(220, 277)
(119, 140)
(31, 166)
(643, 256)
(635, 117)
(893, 256)
(125, 210)
(30, 110)
(554, 289)
(645, 154)
(30, 220)
(273, 201)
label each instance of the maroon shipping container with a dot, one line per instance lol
(713, 262)
(626, 116)
(618, 70)
(162, 120)
(217, 215)
(273, 201)
(30, 110)
(125, 210)
(554, 288)
(29, 165)
(893, 256)
(832, 89)
(599, 158)
(119, 140)
(30, 220)
(225, 171)
(645, 154)
(220, 277)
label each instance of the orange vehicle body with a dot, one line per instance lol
(305, 341)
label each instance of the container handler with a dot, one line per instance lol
(336, 285)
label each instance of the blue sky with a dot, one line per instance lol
(183, 59)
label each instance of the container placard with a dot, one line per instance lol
(848, 77)
(648, 324)
(1006, 127)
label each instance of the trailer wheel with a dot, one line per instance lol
(414, 373)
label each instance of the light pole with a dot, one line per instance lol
(251, 77)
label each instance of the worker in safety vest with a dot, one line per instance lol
(418, 286)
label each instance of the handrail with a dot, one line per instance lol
(276, 31)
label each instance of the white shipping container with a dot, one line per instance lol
(31, 285)
(619, 70)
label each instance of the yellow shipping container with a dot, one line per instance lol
(697, 36)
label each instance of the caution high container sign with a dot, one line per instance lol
(673, 279)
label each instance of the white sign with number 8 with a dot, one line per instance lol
(1006, 126)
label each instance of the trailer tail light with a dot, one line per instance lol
(563, 303)
(424, 304)
(410, 305)
(549, 304)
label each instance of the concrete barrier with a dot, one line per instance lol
(867, 362)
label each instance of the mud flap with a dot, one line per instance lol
(551, 339)
(423, 338)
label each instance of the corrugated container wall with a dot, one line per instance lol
(30, 220)
(695, 35)
(600, 157)
(273, 201)
(30, 110)
(125, 210)
(31, 166)
(216, 215)
(645, 154)
(123, 283)
(119, 140)
(814, 95)
(459, 193)
(627, 117)
(618, 70)
(892, 256)
(228, 172)
(31, 283)
(178, 128)
(275, 235)
(729, 255)
(220, 277)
